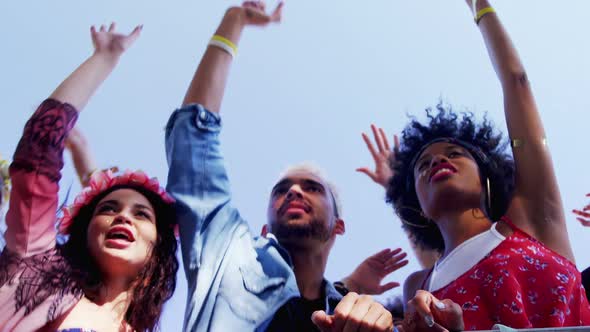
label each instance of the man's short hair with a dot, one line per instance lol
(313, 169)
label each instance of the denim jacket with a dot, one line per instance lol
(236, 282)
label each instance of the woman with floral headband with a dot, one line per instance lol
(118, 265)
(497, 220)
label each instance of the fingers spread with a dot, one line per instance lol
(396, 266)
(383, 255)
(388, 286)
(384, 139)
(582, 213)
(395, 144)
(278, 12)
(370, 147)
(377, 138)
(368, 172)
(584, 222)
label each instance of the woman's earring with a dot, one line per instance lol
(429, 223)
(489, 195)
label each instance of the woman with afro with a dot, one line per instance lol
(497, 219)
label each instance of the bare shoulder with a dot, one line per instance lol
(413, 283)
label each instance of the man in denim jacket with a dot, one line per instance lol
(238, 282)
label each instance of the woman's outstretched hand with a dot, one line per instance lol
(109, 43)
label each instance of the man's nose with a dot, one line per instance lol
(294, 192)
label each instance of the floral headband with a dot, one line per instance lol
(5, 179)
(103, 181)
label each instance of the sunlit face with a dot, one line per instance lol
(446, 174)
(122, 232)
(301, 206)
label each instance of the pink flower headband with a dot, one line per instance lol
(4, 179)
(104, 180)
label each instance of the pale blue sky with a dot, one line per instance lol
(303, 90)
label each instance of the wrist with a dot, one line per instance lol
(351, 285)
(234, 16)
(106, 59)
(479, 5)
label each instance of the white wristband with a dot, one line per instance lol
(223, 46)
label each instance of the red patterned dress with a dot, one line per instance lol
(522, 284)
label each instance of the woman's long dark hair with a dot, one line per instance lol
(154, 284)
(443, 122)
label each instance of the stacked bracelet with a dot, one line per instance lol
(483, 12)
(224, 44)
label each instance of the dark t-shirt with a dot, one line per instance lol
(295, 315)
(586, 282)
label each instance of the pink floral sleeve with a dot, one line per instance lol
(35, 172)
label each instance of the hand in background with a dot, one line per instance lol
(382, 156)
(584, 214)
(367, 277)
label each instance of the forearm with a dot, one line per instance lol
(522, 118)
(35, 173)
(77, 88)
(502, 52)
(208, 84)
(84, 163)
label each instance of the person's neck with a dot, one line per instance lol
(115, 295)
(309, 267)
(459, 226)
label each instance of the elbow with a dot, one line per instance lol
(515, 78)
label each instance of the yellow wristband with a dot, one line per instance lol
(483, 12)
(226, 42)
(516, 143)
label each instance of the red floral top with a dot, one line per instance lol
(520, 284)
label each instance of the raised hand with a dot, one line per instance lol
(367, 277)
(355, 313)
(584, 214)
(427, 313)
(255, 13)
(382, 156)
(110, 43)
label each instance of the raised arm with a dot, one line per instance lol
(536, 206)
(82, 157)
(38, 159)
(77, 88)
(208, 84)
(197, 177)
